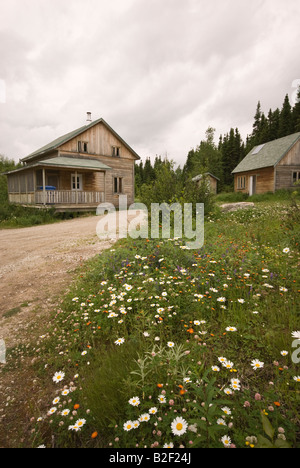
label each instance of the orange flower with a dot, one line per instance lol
(276, 403)
(190, 330)
(76, 407)
(182, 392)
(94, 435)
(160, 385)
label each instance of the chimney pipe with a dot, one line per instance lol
(89, 116)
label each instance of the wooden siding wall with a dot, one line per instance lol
(120, 167)
(213, 184)
(292, 158)
(284, 176)
(264, 180)
(100, 142)
(285, 168)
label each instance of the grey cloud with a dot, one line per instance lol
(158, 72)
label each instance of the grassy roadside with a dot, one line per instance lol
(17, 216)
(179, 330)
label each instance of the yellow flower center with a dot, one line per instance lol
(179, 426)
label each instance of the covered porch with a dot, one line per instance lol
(64, 183)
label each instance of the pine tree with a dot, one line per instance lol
(285, 120)
(257, 124)
(273, 124)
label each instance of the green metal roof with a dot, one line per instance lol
(53, 145)
(79, 163)
(66, 163)
(267, 155)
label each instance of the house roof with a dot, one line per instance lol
(199, 177)
(79, 163)
(67, 163)
(53, 145)
(267, 155)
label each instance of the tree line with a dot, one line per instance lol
(220, 159)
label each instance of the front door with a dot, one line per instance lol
(252, 187)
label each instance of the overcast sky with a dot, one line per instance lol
(158, 71)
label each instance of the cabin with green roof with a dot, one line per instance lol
(77, 171)
(269, 167)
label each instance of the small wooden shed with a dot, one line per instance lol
(269, 167)
(212, 181)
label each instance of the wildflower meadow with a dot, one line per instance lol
(159, 346)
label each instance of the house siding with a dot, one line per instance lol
(100, 141)
(264, 180)
(284, 170)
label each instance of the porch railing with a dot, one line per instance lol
(68, 197)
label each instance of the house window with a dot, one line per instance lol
(296, 177)
(116, 150)
(82, 147)
(118, 185)
(76, 182)
(241, 183)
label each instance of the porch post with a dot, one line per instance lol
(104, 187)
(76, 188)
(44, 186)
(34, 185)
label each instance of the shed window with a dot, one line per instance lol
(82, 147)
(116, 150)
(118, 185)
(241, 182)
(296, 177)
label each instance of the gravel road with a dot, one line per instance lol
(37, 264)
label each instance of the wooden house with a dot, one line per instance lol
(269, 167)
(211, 180)
(77, 171)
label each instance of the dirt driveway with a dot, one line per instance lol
(36, 265)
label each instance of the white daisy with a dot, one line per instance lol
(221, 422)
(58, 377)
(296, 334)
(119, 341)
(161, 399)
(256, 364)
(135, 401)
(179, 426)
(226, 441)
(128, 426)
(80, 423)
(226, 410)
(144, 417)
